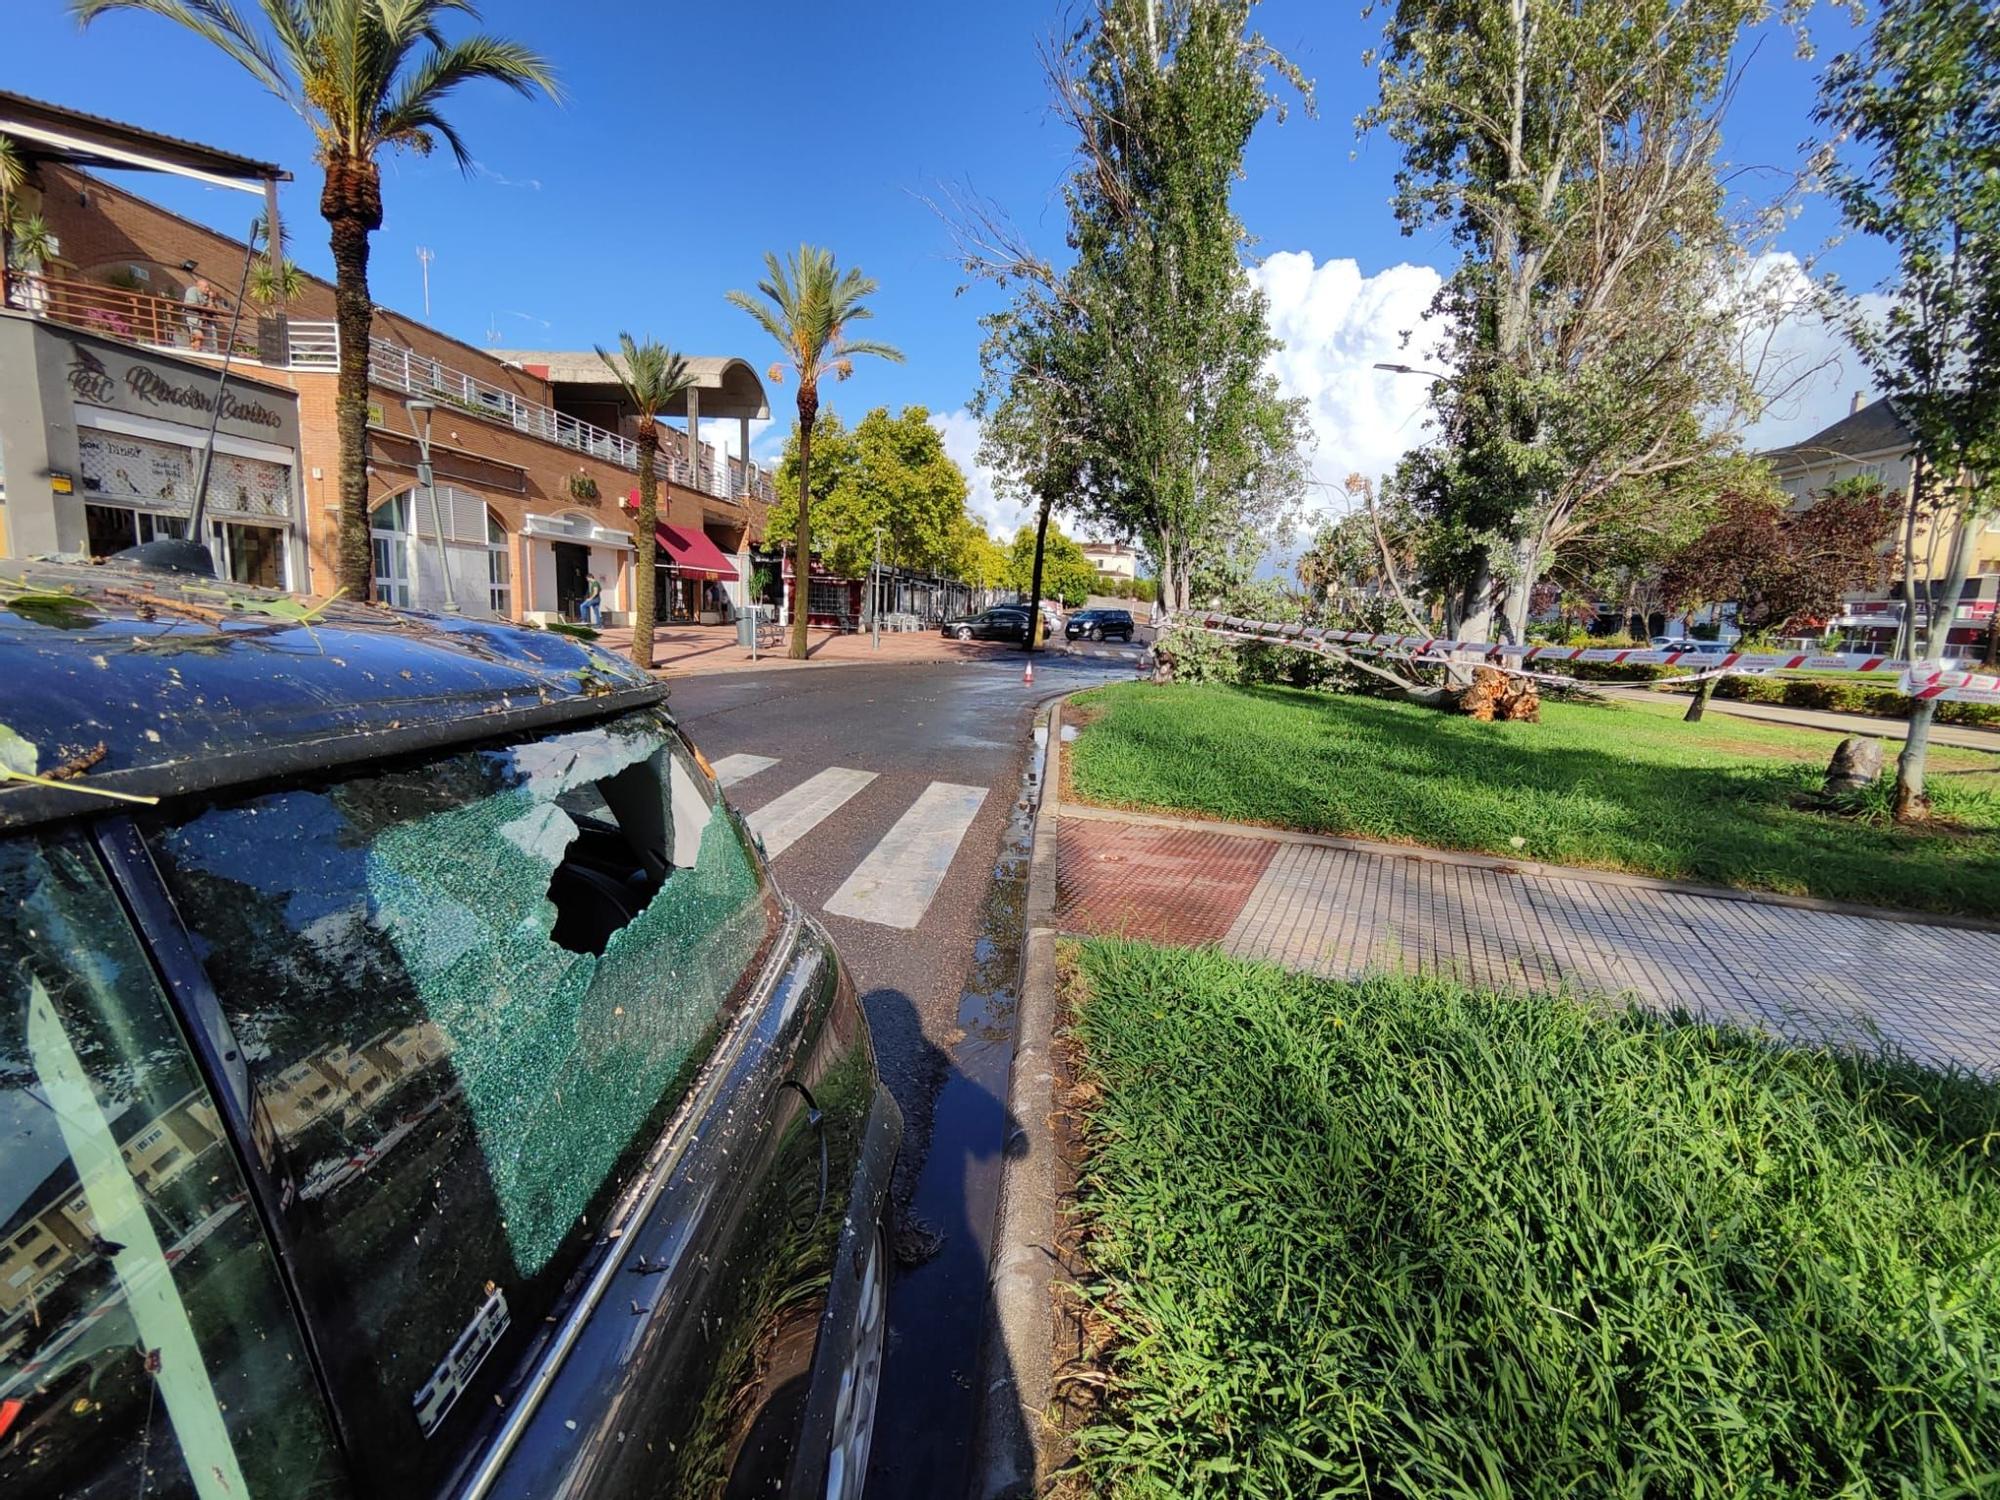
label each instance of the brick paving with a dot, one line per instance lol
(1165, 885)
(1933, 992)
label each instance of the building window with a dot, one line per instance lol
(499, 589)
(389, 537)
(250, 554)
(828, 598)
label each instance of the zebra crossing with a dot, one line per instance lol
(901, 874)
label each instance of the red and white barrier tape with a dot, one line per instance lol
(1918, 679)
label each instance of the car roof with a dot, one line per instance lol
(157, 684)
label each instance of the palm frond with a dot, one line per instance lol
(468, 60)
(807, 303)
(652, 376)
(874, 347)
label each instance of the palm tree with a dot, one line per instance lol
(363, 75)
(13, 177)
(654, 377)
(808, 304)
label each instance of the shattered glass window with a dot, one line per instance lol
(470, 991)
(146, 1346)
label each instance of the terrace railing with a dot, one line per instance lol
(404, 369)
(155, 322)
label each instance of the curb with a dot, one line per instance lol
(1017, 1358)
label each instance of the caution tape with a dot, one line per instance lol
(1918, 679)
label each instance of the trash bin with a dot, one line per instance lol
(746, 626)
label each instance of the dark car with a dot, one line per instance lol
(1099, 625)
(1003, 622)
(411, 1081)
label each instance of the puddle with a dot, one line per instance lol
(938, 1311)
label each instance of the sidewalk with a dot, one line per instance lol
(688, 650)
(1895, 730)
(1341, 909)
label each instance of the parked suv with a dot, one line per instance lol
(414, 1083)
(1099, 624)
(1003, 622)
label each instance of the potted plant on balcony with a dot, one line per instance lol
(30, 247)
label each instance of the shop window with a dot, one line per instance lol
(828, 598)
(251, 554)
(146, 1345)
(110, 529)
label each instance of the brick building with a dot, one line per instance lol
(535, 465)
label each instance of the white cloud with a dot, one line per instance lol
(960, 431)
(1335, 325)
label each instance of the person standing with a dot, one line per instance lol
(590, 608)
(199, 300)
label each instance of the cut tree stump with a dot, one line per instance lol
(1492, 695)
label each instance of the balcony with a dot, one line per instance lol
(314, 344)
(135, 317)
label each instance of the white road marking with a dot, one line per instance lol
(734, 768)
(894, 885)
(789, 817)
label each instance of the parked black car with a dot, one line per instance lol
(416, 1086)
(1099, 625)
(1003, 622)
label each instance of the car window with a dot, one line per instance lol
(469, 991)
(146, 1346)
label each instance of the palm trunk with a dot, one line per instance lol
(1035, 581)
(645, 526)
(802, 536)
(351, 203)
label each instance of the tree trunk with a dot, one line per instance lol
(351, 203)
(1912, 803)
(802, 534)
(1703, 691)
(1035, 580)
(1524, 572)
(645, 527)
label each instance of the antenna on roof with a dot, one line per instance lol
(426, 255)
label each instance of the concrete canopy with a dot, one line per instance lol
(724, 386)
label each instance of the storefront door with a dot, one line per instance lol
(252, 554)
(572, 577)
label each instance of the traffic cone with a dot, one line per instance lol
(1028, 675)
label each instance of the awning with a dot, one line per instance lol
(694, 555)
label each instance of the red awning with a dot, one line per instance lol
(694, 555)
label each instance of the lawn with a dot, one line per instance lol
(1622, 786)
(1398, 1239)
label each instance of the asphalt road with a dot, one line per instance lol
(871, 773)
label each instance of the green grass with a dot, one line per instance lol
(1623, 786)
(1398, 1239)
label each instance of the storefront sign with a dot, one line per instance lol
(103, 374)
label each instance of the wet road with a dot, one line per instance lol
(898, 796)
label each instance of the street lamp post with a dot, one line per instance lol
(875, 592)
(427, 478)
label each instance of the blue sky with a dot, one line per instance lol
(693, 138)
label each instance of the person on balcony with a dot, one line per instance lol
(590, 608)
(199, 299)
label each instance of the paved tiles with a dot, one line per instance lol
(1166, 885)
(1804, 975)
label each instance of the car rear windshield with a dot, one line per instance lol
(469, 991)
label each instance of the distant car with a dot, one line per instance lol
(418, 1085)
(1687, 643)
(1003, 622)
(1099, 625)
